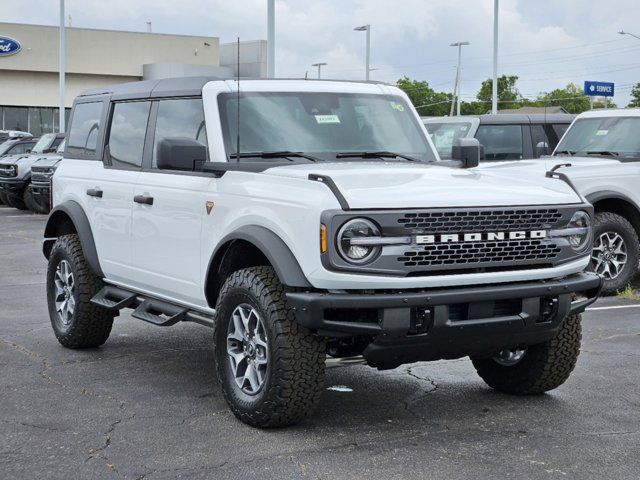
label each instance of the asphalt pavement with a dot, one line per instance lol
(147, 404)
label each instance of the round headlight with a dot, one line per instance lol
(581, 221)
(349, 247)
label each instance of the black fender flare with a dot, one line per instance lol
(610, 194)
(66, 218)
(274, 249)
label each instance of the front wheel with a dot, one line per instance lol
(271, 369)
(615, 251)
(537, 369)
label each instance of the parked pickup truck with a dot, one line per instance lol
(600, 154)
(301, 219)
(503, 136)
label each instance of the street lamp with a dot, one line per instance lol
(319, 65)
(494, 93)
(622, 32)
(456, 88)
(61, 71)
(366, 28)
(271, 38)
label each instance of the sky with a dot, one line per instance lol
(547, 43)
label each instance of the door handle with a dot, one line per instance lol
(94, 192)
(143, 199)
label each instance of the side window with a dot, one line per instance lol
(559, 129)
(127, 134)
(179, 118)
(501, 142)
(57, 142)
(539, 134)
(21, 148)
(84, 129)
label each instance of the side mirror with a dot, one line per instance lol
(180, 153)
(468, 151)
(542, 148)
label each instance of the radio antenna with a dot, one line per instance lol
(238, 101)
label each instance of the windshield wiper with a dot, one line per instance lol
(381, 154)
(565, 152)
(606, 153)
(279, 154)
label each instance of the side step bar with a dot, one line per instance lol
(157, 312)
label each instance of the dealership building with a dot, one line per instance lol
(29, 80)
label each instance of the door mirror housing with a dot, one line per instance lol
(542, 149)
(180, 153)
(468, 151)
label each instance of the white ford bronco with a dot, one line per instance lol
(301, 219)
(600, 154)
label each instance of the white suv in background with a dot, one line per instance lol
(305, 218)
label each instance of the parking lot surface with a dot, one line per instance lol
(147, 404)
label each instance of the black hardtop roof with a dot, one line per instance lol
(526, 118)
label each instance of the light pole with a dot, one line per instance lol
(61, 72)
(456, 89)
(622, 32)
(271, 39)
(494, 96)
(319, 65)
(366, 28)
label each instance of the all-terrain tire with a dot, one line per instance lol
(294, 378)
(30, 201)
(89, 325)
(617, 224)
(544, 366)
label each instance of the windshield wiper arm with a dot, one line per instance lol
(279, 154)
(565, 152)
(380, 154)
(605, 153)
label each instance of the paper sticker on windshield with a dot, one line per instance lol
(601, 133)
(397, 106)
(327, 119)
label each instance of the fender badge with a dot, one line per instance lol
(209, 206)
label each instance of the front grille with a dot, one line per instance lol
(480, 220)
(7, 171)
(475, 253)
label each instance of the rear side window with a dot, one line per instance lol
(179, 118)
(85, 129)
(501, 142)
(127, 134)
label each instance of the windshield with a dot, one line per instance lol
(445, 133)
(43, 143)
(322, 124)
(616, 136)
(5, 146)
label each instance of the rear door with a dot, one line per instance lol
(166, 230)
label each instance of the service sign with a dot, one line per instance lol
(9, 46)
(599, 89)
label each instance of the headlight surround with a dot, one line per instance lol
(357, 228)
(581, 223)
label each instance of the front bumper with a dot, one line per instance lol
(447, 323)
(13, 186)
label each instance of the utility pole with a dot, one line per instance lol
(494, 98)
(319, 65)
(271, 39)
(61, 120)
(456, 92)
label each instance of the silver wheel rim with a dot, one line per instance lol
(509, 358)
(247, 349)
(609, 256)
(65, 299)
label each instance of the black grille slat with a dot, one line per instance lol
(479, 220)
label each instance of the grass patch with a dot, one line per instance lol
(631, 291)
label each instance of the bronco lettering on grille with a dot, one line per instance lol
(479, 237)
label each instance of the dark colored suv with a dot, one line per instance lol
(503, 136)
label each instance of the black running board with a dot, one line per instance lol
(151, 310)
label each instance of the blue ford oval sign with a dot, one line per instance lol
(9, 46)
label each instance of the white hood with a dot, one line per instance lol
(398, 185)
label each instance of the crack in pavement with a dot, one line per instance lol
(410, 402)
(46, 364)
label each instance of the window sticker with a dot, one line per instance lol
(397, 106)
(327, 119)
(601, 133)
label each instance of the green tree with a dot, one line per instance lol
(427, 101)
(571, 98)
(508, 94)
(635, 96)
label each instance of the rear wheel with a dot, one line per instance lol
(76, 322)
(271, 370)
(537, 369)
(615, 251)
